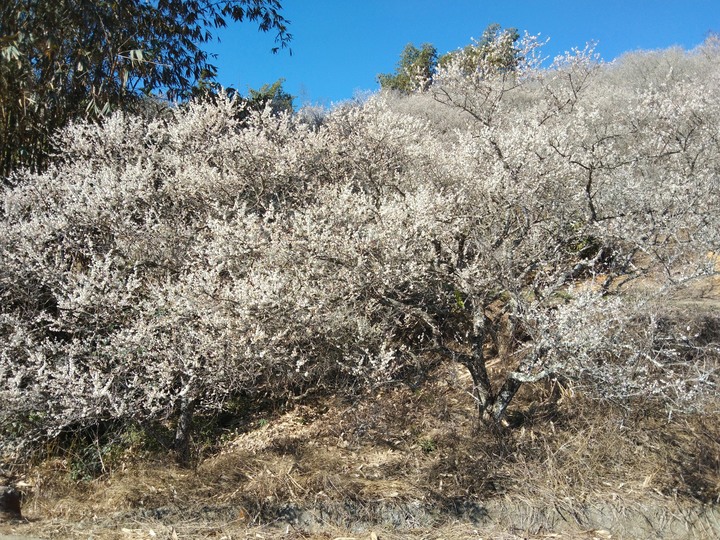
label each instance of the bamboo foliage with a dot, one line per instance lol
(68, 59)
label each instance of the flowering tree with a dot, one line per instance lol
(587, 183)
(163, 267)
(106, 315)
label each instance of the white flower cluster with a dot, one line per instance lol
(197, 256)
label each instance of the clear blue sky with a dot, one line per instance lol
(339, 46)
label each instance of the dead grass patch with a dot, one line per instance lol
(399, 451)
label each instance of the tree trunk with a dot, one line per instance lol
(496, 411)
(183, 431)
(475, 362)
(491, 406)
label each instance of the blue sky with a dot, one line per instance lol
(339, 46)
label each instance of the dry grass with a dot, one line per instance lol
(414, 460)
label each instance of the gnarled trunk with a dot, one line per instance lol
(491, 405)
(183, 431)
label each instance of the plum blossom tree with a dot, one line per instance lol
(113, 304)
(184, 261)
(611, 204)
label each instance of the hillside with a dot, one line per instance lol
(486, 307)
(407, 463)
